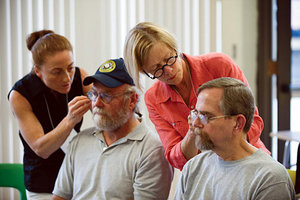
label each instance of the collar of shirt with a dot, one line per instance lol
(137, 134)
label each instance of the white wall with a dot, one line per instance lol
(239, 34)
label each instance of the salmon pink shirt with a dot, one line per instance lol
(169, 113)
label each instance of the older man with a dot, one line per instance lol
(229, 167)
(119, 158)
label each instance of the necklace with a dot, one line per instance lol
(193, 88)
(190, 75)
(48, 110)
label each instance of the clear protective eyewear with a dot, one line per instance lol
(105, 98)
(204, 118)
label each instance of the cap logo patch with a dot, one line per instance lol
(108, 66)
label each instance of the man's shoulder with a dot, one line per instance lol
(86, 133)
(204, 157)
(150, 137)
(152, 140)
(268, 164)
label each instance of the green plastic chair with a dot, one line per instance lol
(12, 175)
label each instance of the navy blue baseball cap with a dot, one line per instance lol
(112, 73)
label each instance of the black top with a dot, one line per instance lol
(40, 174)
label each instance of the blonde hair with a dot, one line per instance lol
(44, 43)
(139, 41)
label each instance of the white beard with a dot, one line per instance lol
(105, 121)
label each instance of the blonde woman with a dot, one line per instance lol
(152, 50)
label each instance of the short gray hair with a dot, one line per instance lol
(129, 90)
(237, 98)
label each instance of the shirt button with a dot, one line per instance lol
(192, 107)
(173, 123)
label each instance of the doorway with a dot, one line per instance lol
(279, 72)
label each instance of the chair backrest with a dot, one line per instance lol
(292, 174)
(297, 185)
(12, 175)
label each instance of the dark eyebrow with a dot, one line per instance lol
(205, 113)
(59, 68)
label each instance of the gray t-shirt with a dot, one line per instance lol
(134, 167)
(258, 176)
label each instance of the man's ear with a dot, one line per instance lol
(240, 123)
(133, 100)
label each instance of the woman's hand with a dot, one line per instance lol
(188, 146)
(77, 108)
(191, 128)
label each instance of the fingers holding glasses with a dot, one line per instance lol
(78, 107)
(190, 122)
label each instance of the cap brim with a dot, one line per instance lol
(105, 80)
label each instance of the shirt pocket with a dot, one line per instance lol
(181, 127)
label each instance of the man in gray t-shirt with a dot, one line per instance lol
(119, 158)
(229, 167)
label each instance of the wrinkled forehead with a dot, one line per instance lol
(158, 53)
(209, 99)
